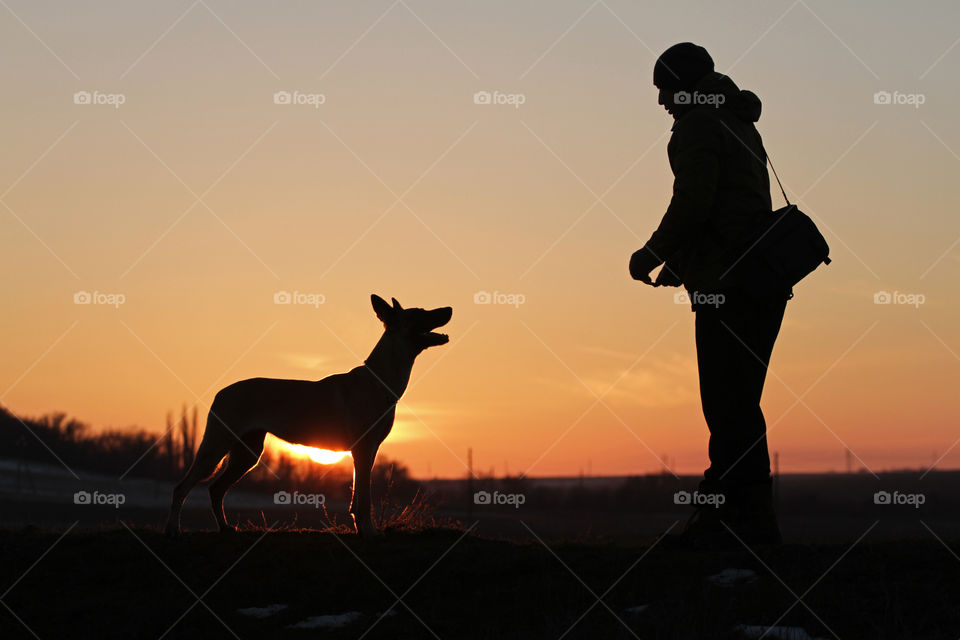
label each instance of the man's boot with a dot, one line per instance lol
(709, 527)
(753, 518)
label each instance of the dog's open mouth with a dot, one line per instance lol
(435, 339)
(434, 320)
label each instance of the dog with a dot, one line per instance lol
(351, 411)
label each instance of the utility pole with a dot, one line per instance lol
(469, 483)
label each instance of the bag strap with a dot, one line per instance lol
(778, 178)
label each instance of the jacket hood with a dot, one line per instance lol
(743, 104)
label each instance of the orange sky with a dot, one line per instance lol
(199, 197)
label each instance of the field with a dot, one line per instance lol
(577, 559)
(449, 583)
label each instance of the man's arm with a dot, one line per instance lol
(697, 143)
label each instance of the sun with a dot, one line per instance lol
(323, 456)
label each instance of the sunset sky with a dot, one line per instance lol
(199, 198)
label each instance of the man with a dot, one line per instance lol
(720, 191)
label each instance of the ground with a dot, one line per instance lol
(449, 583)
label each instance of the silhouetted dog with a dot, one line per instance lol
(351, 411)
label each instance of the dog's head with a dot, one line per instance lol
(414, 326)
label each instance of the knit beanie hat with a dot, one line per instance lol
(681, 66)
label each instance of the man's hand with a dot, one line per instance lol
(667, 278)
(642, 262)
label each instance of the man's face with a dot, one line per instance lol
(667, 98)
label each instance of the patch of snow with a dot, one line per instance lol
(754, 631)
(732, 577)
(334, 621)
(262, 612)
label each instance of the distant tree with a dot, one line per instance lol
(166, 456)
(170, 445)
(188, 436)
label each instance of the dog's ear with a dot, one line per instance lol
(383, 310)
(396, 305)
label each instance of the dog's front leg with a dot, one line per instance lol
(360, 507)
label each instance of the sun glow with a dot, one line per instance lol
(323, 456)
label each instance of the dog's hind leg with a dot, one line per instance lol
(214, 446)
(244, 456)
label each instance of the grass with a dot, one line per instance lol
(120, 583)
(417, 515)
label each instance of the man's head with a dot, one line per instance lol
(679, 69)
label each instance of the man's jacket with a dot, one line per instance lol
(720, 189)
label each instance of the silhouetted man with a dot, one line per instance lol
(720, 190)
